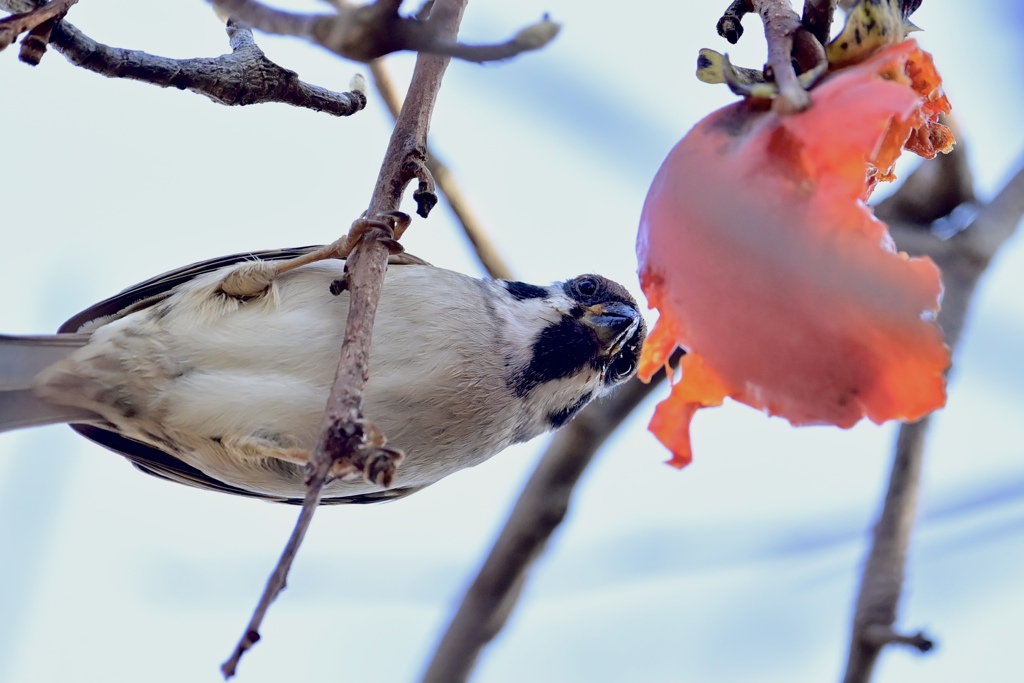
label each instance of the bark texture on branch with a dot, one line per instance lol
(243, 76)
(781, 25)
(343, 434)
(483, 246)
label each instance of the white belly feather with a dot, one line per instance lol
(263, 368)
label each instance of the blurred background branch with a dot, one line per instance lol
(364, 32)
(472, 228)
(933, 196)
(541, 507)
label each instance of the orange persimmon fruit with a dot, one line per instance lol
(766, 265)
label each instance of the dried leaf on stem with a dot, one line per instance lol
(796, 58)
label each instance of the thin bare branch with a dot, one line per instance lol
(781, 26)
(474, 230)
(13, 26)
(963, 260)
(730, 25)
(244, 76)
(533, 37)
(817, 18)
(540, 509)
(882, 636)
(882, 578)
(275, 584)
(367, 32)
(346, 438)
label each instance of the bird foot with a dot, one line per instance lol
(386, 227)
(363, 453)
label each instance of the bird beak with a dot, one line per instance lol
(613, 323)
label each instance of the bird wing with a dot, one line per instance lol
(160, 463)
(165, 466)
(156, 289)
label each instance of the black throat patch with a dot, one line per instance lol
(561, 351)
(560, 417)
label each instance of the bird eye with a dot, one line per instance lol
(621, 368)
(587, 286)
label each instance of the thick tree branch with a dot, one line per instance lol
(244, 76)
(540, 509)
(474, 230)
(963, 260)
(367, 32)
(345, 436)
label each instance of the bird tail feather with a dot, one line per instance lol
(21, 359)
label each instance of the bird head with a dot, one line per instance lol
(584, 337)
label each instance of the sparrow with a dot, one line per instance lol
(216, 375)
